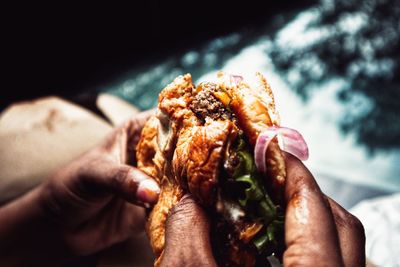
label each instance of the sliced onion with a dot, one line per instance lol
(292, 142)
(235, 79)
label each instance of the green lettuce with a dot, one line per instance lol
(257, 203)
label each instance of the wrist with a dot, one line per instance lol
(28, 233)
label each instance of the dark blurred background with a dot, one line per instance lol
(340, 58)
(64, 49)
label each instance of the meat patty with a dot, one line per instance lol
(205, 104)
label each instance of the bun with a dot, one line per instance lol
(185, 144)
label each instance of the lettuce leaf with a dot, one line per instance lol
(270, 237)
(257, 203)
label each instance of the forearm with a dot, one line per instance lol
(27, 236)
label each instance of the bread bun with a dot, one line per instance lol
(185, 144)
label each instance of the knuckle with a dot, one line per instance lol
(86, 166)
(185, 211)
(182, 209)
(190, 260)
(354, 223)
(119, 176)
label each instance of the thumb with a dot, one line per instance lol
(122, 180)
(310, 231)
(187, 236)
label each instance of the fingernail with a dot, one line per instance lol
(148, 191)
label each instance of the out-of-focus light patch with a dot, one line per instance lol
(328, 5)
(331, 152)
(351, 23)
(349, 44)
(170, 76)
(251, 58)
(294, 76)
(210, 59)
(366, 49)
(312, 63)
(325, 102)
(210, 77)
(147, 100)
(357, 105)
(159, 70)
(144, 78)
(379, 42)
(302, 33)
(372, 68)
(129, 87)
(383, 67)
(190, 58)
(224, 41)
(298, 33)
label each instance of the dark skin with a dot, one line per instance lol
(85, 207)
(96, 201)
(318, 231)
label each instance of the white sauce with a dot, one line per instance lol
(164, 134)
(231, 211)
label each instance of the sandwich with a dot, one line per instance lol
(221, 142)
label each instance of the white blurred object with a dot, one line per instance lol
(115, 109)
(39, 136)
(381, 220)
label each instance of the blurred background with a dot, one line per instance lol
(334, 67)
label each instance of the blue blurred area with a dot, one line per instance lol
(334, 68)
(141, 86)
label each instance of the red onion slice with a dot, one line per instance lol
(293, 143)
(235, 79)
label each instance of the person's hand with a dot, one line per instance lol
(187, 236)
(83, 208)
(92, 199)
(318, 231)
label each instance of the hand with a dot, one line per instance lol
(187, 236)
(85, 207)
(318, 231)
(92, 198)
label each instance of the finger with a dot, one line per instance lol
(122, 180)
(134, 126)
(121, 143)
(187, 236)
(351, 235)
(116, 222)
(310, 231)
